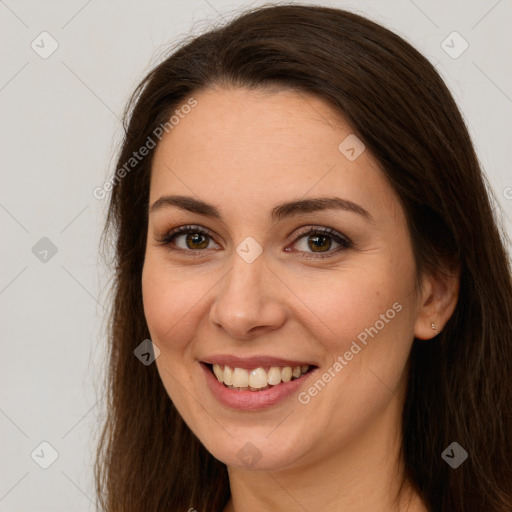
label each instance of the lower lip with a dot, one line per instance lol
(252, 400)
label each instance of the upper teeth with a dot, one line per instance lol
(257, 378)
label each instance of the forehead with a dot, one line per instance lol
(237, 120)
(255, 148)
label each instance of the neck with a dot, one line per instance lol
(365, 474)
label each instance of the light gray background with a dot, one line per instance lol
(59, 133)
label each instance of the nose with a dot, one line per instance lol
(249, 300)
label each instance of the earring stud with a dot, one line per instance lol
(434, 326)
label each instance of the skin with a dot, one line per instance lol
(246, 151)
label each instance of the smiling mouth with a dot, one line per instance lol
(257, 379)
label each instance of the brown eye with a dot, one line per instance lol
(187, 238)
(195, 241)
(320, 241)
(316, 241)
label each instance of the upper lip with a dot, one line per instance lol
(253, 362)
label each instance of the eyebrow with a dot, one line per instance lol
(279, 212)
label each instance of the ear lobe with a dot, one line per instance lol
(440, 292)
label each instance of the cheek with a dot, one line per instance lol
(350, 300)
(168, 303)
(168, 309)
(364, 314)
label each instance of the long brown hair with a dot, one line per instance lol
(394, 100)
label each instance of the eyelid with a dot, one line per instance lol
(167, 236)
(321, 229)
(344, 242)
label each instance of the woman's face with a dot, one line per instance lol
(261, 288)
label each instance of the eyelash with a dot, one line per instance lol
(344, 242)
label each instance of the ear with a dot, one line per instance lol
(438, 298)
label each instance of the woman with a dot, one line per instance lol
(303, 232)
